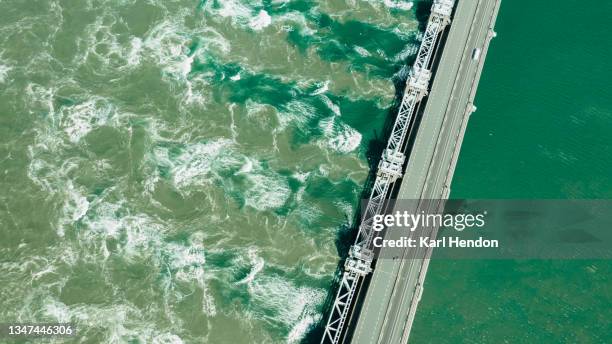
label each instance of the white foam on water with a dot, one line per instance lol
(167, 338)
(121, 322)
(78, 120)
(248, 166)
(75, 207)
(185, 66)
(41, 172)
(216, 41)
(267, 190)
(235, 77)
(168, 45)
(254, 108)
(182, 257)
(197, 164)
(335, 108)
(321, 265)
(57, 311)
(301, 328)
(186, 264)
(110, 50)
(133, 56)
(231, 8)
(75, 121)
(292, 306)
(262, 20)
(262, 114)
(348, 210)
(40, 97)
(4, 69)
(296, 113)
(362, 51)
(257, 264)
(239, 13)
(138, 236)
(346, 141)
(104, 219)
(233, 122)
(409, 50)
(324, 88)
(399, 4)
(419, 35)
(323, 170)
(298, 18)
(339, 136)
(301, 176)
(307, 213)
(56, 133)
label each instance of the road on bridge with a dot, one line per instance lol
(390, 302)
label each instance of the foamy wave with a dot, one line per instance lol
(120, 323)
(74, 120)
(239, 13)
(301, 176)
(409, 50)
(265, 116)
(296, 113)
(106, 46)
(301, 327)
(399, 4)
(75, 207)
(285, 303)
(170, 48)
(324, 88)
(261, 21)
(167, 338)
(307, 213)
(339, 136)
(320, 265)
(137, 236)
(78, 120)
(295, 20)
(168, 45)
(362, 51)
(335, 108)
(4, 69)
(247, 166)
(257, 264)
(133, 56)
(185, 258)
(196, 163)
(266, 191)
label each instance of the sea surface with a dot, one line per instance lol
(542, 130)
(180, 171)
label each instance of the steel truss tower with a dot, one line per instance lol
(390, 168)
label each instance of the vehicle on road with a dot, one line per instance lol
(476, 54)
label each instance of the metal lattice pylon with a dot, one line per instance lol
(389, 170)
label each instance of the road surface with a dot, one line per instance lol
(390, 303)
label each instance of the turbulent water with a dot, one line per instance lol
(179, 171)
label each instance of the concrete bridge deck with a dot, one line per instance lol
(391, 299)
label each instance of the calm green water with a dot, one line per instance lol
(542, 130)
(179, 171)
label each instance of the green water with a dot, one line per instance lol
(179, 171)
(542, 130)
